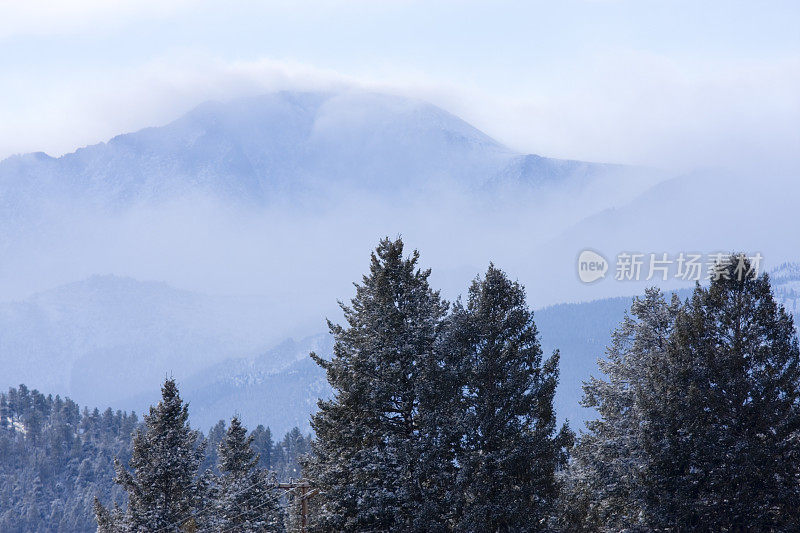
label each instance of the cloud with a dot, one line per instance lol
(84, 108)
(619, 106)
(44, 17)
(643, 108)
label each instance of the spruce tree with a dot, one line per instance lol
(262, 441)
(5, 418)
(510, 450)
(728, 438)
(605, 490)
(107, 521)
(163, 489)
(699, 417)
(248, 500)
(367, 454)
(291, 451)
(212, 440)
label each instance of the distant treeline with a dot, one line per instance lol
(55, 458)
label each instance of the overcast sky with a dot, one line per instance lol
(673, 83)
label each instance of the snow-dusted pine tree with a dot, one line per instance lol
(107, 521)
(262, 440)
(604, 486)
(163, 487)
(248, 500)
(510, 449)
(700, 417)
(729, 436)
(370, 442)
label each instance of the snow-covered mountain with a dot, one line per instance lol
(270, 148)
(220, 198)
(251, 194)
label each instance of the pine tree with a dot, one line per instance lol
(107, 521)
(290, 452)
(605, 489)
(248, 500)
(510, 448)
(262, 441)
(5, 413)
(212, 440)
(700, 417)
(728, 438)
(367, 454)
(163, 489)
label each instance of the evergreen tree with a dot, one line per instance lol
(291, 451)
(248, 500)
(510, 449)
(50, 483)
(709, 417)
(605, 488)
(728, 437)
(163, 487)
(367, 455)
(5, 411)
(107, 521)
(48, 480)
(262, 441)
(215, 435)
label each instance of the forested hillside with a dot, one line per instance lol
(56, 457)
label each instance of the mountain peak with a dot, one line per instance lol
(281, 146)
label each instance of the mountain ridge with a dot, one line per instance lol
(259, 148)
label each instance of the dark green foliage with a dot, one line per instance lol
(168, 492)
(580, 332)
(728, 438)
(51, 484)
(288, 454)
(246, 500)
(700, 417)
(163, 488)
(369, 437)
(439, 422)
(604, 483)
(509, 449)
(262, 440)
(215, 436)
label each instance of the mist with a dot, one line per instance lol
(189, 192)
